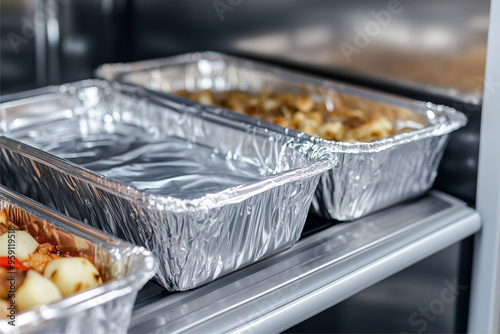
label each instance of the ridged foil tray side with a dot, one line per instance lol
(368, 176)
(110, 317)
(368, 182)
(193, 247)
(195, 240)
(104, 309)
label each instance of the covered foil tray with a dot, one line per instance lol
(369, 176)
(103, 309)
(206, 194)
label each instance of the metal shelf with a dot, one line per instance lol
(319, 271)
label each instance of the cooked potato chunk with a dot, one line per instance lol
(23, 245)
(36, 290)
(72, 274)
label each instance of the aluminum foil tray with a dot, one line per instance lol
(368, 177)
(206, 194)
(103, 309)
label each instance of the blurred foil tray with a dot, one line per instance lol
(206, 194)
(369, 176)
(103, 309)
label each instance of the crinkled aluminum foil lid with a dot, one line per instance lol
(206, 194)
(104, 309)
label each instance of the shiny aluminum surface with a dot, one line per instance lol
(206, 194)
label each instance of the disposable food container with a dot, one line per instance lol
(205, 193)
(106, 308)
(368, 177)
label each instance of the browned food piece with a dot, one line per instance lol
(4, 217)
(38, 261)
(8, 277)
(5, 223)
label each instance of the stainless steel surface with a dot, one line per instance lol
(319, 271)
(205, 193)
(103, 309)
(485, 297)
(409, 301)
(370, 176)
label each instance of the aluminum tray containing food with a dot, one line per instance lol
(58, 276)
(388, 147)
(206, 194)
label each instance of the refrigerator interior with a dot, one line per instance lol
(429, 50)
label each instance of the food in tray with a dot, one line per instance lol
(349, 119)
(33, 273)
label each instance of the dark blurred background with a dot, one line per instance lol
(428, 50)
(433, 46)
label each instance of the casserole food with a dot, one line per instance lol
(97, 300)
(35, 265)
(343, 122)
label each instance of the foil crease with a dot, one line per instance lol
(104, 309)
(368, 176)
(229, 195)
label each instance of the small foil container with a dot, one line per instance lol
(206, 194)
(368, 177)
(103, 309)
